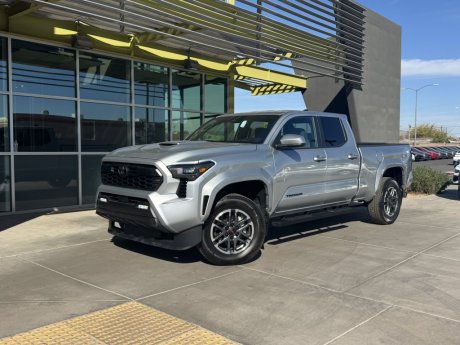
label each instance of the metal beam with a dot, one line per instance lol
(216, 28)
(148, 37)
(271, 76)
(23, 8)
(272, 89)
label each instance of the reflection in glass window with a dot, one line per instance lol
(104, 127)
(186, 90)
(239, 129)
(151, 125)
(333, 132)
(104, 78)
(5, 184)
(44, 125)
(151, 84)
(43, 69)
(45, 181)
(4, 131)
(215, 94)
(184, 123)
(304, 126)
(91, 177)
(3, 65)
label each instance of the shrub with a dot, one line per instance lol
(428, 181)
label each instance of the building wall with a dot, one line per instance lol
(373, 109)
(63, 109)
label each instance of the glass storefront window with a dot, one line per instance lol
(186, 90)
(184, 123)
(104, 78)
(4, 130)
(3, 64)
(151, 125)
(45, 181)
(43, 69)
(151, 84)
(5, 184)
(215, 94)
(91, 177)
(44, 125)
(104, 127)
(39, 106)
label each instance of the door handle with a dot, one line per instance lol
(319, 158)
(352, 156)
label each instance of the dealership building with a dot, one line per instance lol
(79, 79)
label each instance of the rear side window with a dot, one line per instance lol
(333, 132)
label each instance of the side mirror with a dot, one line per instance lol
(291, 140)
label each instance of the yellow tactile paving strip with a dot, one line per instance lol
(129, 323)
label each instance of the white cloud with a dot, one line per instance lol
(444, 67)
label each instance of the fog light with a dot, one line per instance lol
(142, 207)
(103, 199)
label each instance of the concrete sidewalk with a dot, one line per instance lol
(339, 280)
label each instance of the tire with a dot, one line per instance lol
(234, 233)
(458, 190)
(384, 208)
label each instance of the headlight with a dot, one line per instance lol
(189, 171)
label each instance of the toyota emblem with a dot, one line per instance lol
(123, 170)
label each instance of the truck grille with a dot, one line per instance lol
(128, 175)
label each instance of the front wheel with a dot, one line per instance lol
(385, 207)
(235, 231)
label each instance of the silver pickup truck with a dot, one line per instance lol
(219, 189)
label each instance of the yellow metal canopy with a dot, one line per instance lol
(235, 37)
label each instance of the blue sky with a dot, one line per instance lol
(430, 54)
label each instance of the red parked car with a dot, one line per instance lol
(433, 155)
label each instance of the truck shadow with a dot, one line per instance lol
(275, 236)
(180, 257)
(315, 226)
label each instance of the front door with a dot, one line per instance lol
(300, 171)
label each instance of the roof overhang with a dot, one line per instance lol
(326, 36)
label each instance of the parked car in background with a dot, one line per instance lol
(426, 156)
(456, 158)
(418, 156)
(444, 154)
(433, 155)
(451, 150)
(456, 173)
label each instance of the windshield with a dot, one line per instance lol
(236, 129)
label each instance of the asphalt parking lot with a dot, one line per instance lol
(444, 165)
(339, 280)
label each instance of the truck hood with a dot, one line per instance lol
(174, 152)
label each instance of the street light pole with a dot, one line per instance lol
(416, 106)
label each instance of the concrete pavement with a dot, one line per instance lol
(339, 280)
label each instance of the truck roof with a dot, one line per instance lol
(281, 113)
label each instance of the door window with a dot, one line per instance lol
(304, 126)
(333, 132)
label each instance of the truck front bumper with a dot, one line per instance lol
(131, 218)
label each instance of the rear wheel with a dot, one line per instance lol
(235, 231)
(385, 207)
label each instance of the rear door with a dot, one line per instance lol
(343, 160)
(300, 171)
